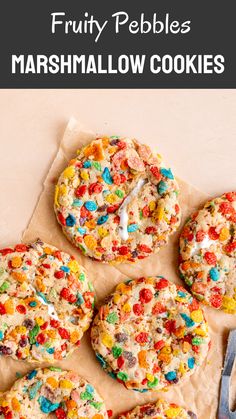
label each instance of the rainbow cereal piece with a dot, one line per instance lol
(116, 202)
(52, 391)
(46, 302)
(208, 253)
(150, 334)
(161, 409)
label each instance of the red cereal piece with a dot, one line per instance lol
(151, 230)
(200, 236)
(231, 196)
(21, 248)
(120, 362)
(6, 251)
(142, 337)
(80, 191)
(60, 413)
(170, 326)
(216, 300)
(158, 308)
(144, 248)
(2, 309)
(159, 345)
(145, 295)
(41, 338)
(59, 274)
(156, 172)
(162, 283)
(226, 208)
(21, 309)
(61, 219)
(138, 309)
(146, 211)
(95, 188)
(212, 233)
(54, 323)
(123, 250)
(210, 258)
(63, 333)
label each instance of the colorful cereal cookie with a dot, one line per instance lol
(46, 302)
(159, 410)
(51, 390)
(116, 201)
(208, 253)
(150, 334)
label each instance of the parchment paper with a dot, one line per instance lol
(201, 391)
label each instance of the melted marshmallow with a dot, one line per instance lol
(124, 218)
(204, 244)
(51, 309)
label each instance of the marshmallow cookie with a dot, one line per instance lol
(150, 334)
(161, 410)
(46, 302)
(51, 390)
(208, 253)
(116, 201)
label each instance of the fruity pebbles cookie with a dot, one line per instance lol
(116, 201)
(159, 410)
(150, 334)
(46, 302)
(208, 253)
(51, 390)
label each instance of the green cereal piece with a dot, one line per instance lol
(96, 405)
(86, 395)
(117, 351)
(33, 333)
(82, 277)
(4, 286)
(112, 318)
(119, 193)
(97, 165)
(122, 376)
(197, 340)
(55, 369)
(153, 383)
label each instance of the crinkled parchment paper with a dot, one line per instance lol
(200, 392)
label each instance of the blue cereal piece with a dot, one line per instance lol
(89, 388)
(65, 269)
(167, 173)
(70, 220)
(170, 376)
(188, 321)
(81, 230)
(80, 299)
(132, 228)
(191, 362)
(87, 164)
(101, 360)
(77, 203)
(162, 187)
(31, 375)
(107, 176)
(103, 219)
(214, 274)
(1, 335)
(90, 205)
(46, 406)
(34, 389)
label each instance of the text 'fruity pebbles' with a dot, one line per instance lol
(52, 391)
(116, 201)
(150, 334)
(46, 302)
(161, 409)
(208, 253)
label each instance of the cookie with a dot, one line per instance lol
(161, 409)
(208, 253)
(51, 390)
(116, 201)
(150, 334)
(46, 302)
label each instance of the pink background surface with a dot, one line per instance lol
(195, 131)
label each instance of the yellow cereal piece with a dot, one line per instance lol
(90, 224)
(112, 150)
(9, 306)
(182, 368)
(4, 403)
(166, 350)
(74, 336)
(15, 404)
(173, 412)
(90, 241)
(176, 352)
(39, 320)
(103, 232)
(186, 347)
(123, 288)
(74, 266)
(150, 377)
(126, 308)
(16, 262)
(224, 234)
(152, 205)
(97, 416)
(150, 281)
(47, 250)
(69, 172)
(56, 196)
(40, 285)
(197, 316)
(52, 382)
(159, 213)
(95, 149)
(21, 329)
(111, 198)
(66, 384)
(18, 276)
(116, 298)
(84, 175)
(107, 340)
(228, 303)
(142, 359)
(200, 332)
(180, 331)
(51, 333)
(62, 190)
